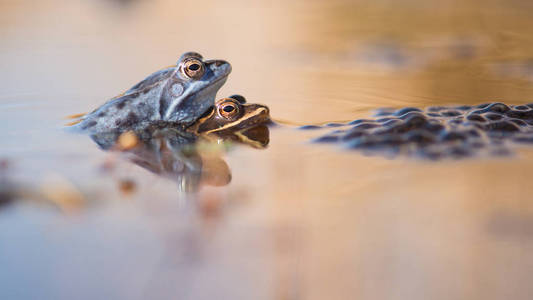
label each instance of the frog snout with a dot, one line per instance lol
(219, 66)
(219, 63)
(263, 113)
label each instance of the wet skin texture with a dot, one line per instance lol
(177, 96)
(437, 132)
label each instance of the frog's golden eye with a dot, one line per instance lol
(193, 68)
(229, 110)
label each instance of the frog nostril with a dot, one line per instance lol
(219, 63)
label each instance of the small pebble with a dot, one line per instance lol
(127, 186)
(128, 140)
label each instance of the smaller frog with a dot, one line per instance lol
(177, 95)
(230, 115)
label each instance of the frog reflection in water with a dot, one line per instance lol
(177, 95)
(176, 154)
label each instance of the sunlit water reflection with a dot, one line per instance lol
(297, 220)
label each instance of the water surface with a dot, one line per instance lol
(297, 220)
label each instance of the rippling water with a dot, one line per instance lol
(297, 220)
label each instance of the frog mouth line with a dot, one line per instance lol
(216, 81)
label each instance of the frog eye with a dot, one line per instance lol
(193, 68)
(228, 110)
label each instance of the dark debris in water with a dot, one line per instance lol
(438, 132)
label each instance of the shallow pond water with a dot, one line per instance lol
(297, 220)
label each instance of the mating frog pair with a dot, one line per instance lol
(181, 96)
(162, 117)
(174, 153)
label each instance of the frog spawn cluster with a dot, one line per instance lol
(437, 132)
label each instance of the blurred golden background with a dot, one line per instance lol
(297, 221)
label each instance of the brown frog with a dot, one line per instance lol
(232, 119)
(230, 115)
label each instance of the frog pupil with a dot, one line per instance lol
(228, 108)
(194, 67)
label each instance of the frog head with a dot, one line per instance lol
(231, 114)
(192, 88)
